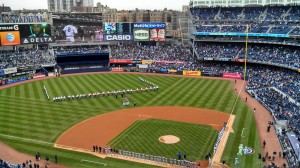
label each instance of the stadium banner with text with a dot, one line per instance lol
(150, 25)
(149, 62)
(10, 38)
(157, 35)
(231, 75)
(172, 71)
(144, 66)
(141, 34)
(169, 62)
(117, 37)
(120, 61)
(10, 70)
(137, 61)
(191, 73)
(242, 34)
(9, 28)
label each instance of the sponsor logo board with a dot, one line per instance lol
(37, 40)
(159, 25)
(120, 61)
(115, 37)
(10, 38)
(192, 73)
(10, 70)
(141, 34)
(149, 62)
(232, 75)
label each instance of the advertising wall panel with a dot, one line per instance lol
(35, 33)
(141, 34)
(157, 35)
(149, 62)
(150, 25)
(232, 75)
(191, 73)
(116, 37)
(110, 28)
(120, 61)
(10, 38)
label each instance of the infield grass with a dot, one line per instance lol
(143, 137)
(25, 111)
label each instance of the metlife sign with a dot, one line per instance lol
(116, 37)
(150, 25)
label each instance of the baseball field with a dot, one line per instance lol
(31, 123)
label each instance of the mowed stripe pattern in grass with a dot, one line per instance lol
(25, 111)
(143, 137)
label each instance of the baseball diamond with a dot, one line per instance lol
(79, 124)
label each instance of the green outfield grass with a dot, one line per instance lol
(26, 113)
(142, 136)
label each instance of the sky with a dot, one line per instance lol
(119, 4)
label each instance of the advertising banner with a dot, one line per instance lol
(120, 61)
(232, 75)
(141, 34)
(240, 60)
(169, 62)
(150, 25)
(10, 38)
(172, 71)
(144, 66)
(136, 61)
(147, 62)
(38, 76)
(116, 37)
(9, 28)
(157, 35)
(191, 73)
(10, 70)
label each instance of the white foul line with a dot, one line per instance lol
(82, 160)
(243, 132)
(26, 139)
(43, 142)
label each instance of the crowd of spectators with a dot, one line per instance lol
(25, 57)
(275, 19)
(80, 49)
(150, 52)
(275, 54)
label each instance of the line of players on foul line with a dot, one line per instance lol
(152, 87)
(145, 157)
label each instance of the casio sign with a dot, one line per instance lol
(118, 37)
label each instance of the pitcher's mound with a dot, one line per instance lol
(169, 139)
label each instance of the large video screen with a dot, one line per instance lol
(35, 30)
(141, 34)
(110, 27)
(124, 28)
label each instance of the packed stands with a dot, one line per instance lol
(25, 57)
(274, 54)
(150, 52)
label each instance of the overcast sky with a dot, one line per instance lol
(119, 4)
